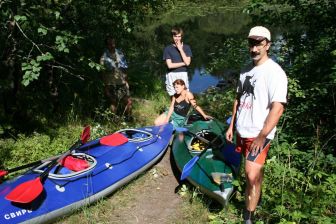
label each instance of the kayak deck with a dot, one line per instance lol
(109, 167)
(212, 173)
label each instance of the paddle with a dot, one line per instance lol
(189, 165)
(29, 190)
(110, 140)
(7, 171)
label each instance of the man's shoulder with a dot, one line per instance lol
(170, 46)
(275, 66)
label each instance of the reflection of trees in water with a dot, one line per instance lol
(230, 22)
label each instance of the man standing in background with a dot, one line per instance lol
(177, 57)
(261, 96)
(115, 78)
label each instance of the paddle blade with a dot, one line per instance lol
(3, 173)
(188, 167)
(85, 134)
(113, 140)
(26, 192)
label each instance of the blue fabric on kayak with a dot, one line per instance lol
(139, 135)
(231, 156)
(63, 170)
(62, 195)
(122, 152)
(117, 153)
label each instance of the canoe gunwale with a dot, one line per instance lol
(201, 177)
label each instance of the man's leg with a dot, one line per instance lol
(170, 78)
(124, 94)
(254, 177)
(111, 98)
(128, 106)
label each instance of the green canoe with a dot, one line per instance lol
(217, 167)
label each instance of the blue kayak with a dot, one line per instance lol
(109, 167)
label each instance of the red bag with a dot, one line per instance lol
(74, 164)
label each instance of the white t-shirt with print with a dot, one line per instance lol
(259, 86)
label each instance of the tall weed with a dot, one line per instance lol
(295, 189)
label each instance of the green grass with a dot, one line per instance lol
(299, 186)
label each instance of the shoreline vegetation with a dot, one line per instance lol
(51, 87)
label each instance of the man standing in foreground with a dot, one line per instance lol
(177, 57)
(261, 96)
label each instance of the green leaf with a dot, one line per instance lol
(25, 66)
(57, 14)
(18, 18)
(25, 82)
(42, 31)
(44, 57)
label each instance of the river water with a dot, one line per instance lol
(201, 80)
(216, 33)
(215, 38)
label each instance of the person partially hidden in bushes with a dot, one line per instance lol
(260, 101)
(179, 106)
(116, 87)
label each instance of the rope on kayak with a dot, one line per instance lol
(138, 148)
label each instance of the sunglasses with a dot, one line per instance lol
(256, 43)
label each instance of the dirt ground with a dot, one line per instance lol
(149, 199)
(154, 200)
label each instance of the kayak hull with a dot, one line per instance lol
(216, 169)
(111, 168)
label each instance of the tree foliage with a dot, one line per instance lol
(301, 174)
(50, 50)
(309, 57)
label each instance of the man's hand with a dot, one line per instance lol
(179, 45)
(229, 135)
(257, 145)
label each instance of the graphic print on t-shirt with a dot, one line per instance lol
(248, 86)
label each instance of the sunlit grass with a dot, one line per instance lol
(146, 110)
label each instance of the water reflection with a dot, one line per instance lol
(201, 80)
(216, 32)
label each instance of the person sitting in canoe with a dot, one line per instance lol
(179, 107)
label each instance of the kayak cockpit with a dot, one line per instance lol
(73, 165)
(196, 145)
(136, 135)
